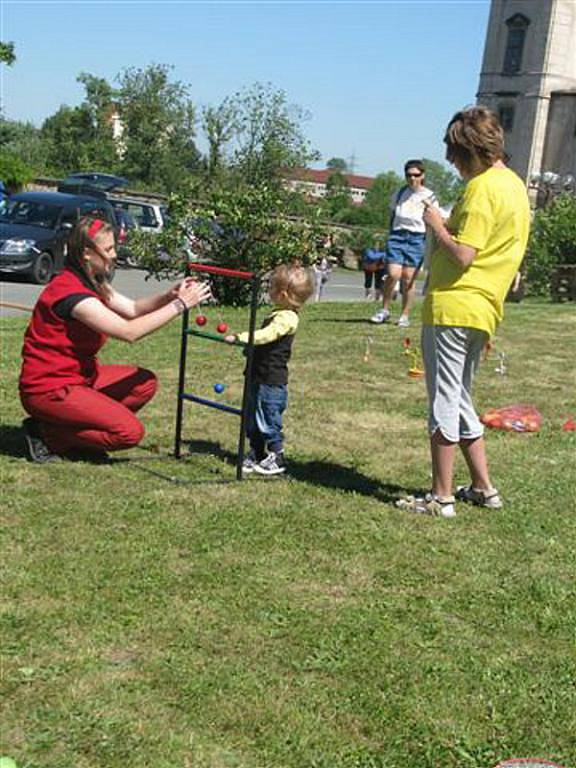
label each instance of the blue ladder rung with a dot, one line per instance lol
(211, 403)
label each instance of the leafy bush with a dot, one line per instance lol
(553, 242)
(14, 172)
(234, 226)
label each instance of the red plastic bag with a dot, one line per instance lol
(513, 418)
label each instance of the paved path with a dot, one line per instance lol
(343, 285)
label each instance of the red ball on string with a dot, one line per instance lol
(201, 320)
(222, 327)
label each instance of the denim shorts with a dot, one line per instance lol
(405, 248)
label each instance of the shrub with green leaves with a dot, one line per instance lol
(553, 242)
(236, 226)
(14, 172)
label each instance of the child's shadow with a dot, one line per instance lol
(331, 475)
(323, 473)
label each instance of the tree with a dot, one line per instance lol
(337, 164)
(267, 135)
(379, 197)
(158, 117)
(219, 125)
(14, 172)
(80, 138)
(7, 55)
(337, 195)
(552, 242)
(446, 185)
(23, 140)
(68, 138)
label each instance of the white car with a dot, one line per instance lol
(149, 216)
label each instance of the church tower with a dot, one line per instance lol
(529, 79)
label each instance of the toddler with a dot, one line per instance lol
(290, 287)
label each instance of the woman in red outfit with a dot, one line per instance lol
(75, 403)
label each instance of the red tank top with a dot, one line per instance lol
(59, 351)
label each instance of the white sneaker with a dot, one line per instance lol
(249, 463)
(382, 316)
(273, 464)
(403, 322)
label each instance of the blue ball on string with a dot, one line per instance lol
(219, 388)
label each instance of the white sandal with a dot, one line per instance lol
(430, 504)
(489, 499)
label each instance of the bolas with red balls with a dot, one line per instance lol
(201, 320)
(222, 327)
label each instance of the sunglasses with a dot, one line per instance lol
(413, 175)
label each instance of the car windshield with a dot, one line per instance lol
(31, 212)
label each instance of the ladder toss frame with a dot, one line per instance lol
(188, 331)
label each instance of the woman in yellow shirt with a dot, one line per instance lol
(479, 250)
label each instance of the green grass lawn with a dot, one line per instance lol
(158, 614)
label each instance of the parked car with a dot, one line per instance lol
(34, 229)
(149, 216)
(125, 222)
(92, 179)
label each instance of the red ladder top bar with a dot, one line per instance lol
(220, 271)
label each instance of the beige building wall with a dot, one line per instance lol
(537, 101)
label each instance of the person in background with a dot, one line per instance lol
(405, 246)
(478, 253)
(322, 269)
(3, 197)
(290, 287)
(374, 270)
(80, 408)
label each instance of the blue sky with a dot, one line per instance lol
(379, 79)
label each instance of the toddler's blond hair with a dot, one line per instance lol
(297, 281)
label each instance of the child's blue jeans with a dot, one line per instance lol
(266, 404)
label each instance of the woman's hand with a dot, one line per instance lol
(192, 293)
(433, 218)
(172, 293)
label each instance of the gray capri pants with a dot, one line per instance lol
(451, 356)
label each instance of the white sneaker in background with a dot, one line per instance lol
(382, 316)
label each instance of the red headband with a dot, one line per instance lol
(95, 227)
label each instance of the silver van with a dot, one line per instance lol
(149, 216)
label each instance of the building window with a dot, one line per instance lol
(506, 116)
(517, 27)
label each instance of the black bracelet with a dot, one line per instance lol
(180, 305)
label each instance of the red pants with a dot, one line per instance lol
(99, 417)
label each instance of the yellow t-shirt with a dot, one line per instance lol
(492, 216)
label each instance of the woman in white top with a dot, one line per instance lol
(405, 246)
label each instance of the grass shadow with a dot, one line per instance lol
(338, 477)
(348, 320)
(12, 441)
(211, 448)
(320, 473)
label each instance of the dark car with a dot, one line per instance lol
(34, 229)
(105, 182)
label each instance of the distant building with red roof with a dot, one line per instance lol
(313, 183)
